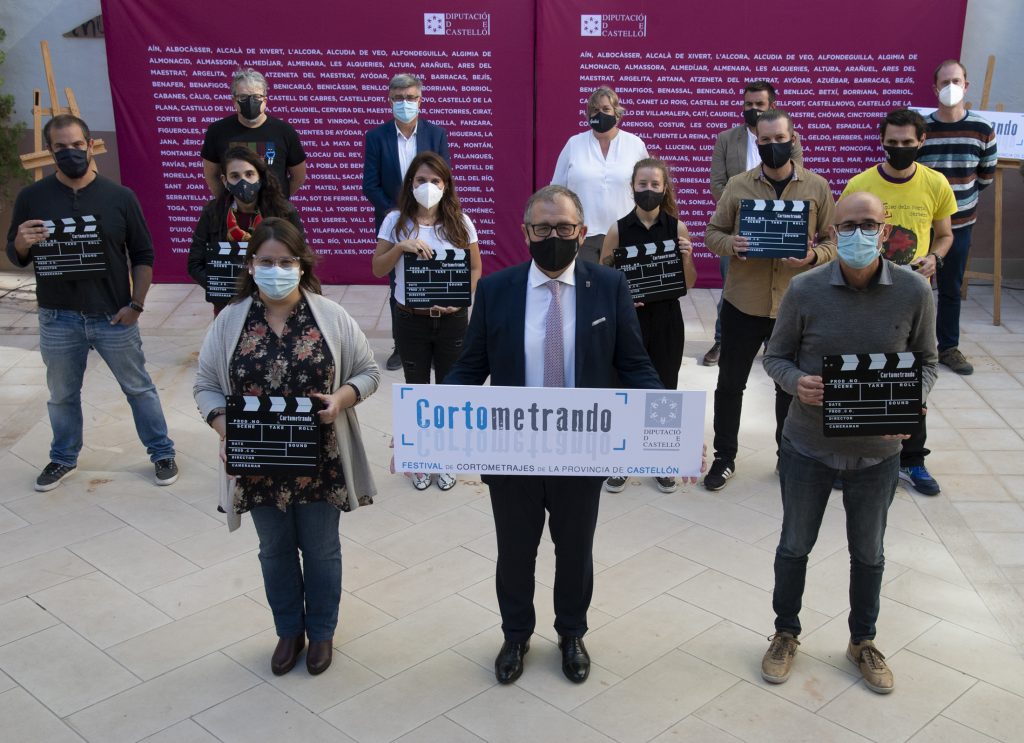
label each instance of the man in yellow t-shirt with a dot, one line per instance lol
(918, 204)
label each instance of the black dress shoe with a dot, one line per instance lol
(319, 656)
(508, 666)
(394, 361)
(575, 659)
(286, 653)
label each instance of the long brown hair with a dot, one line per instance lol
(270, 200)
(275, 228)
(668, 201)
(450, 224)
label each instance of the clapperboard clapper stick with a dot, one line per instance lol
(775, 228)
(442, 280)
(74, 250)
(874, 394)
(272, 434)
(654, 271)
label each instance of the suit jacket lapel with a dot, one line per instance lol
(517, 322)
(422, 137)
(391, 148)
(584, 311)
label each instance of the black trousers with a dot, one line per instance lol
(661, 325)
(519, 504)
(742, 336)
(424, 342)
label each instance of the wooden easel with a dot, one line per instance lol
(1004, 163)
(41, 157)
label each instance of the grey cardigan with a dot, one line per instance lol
(353, 364)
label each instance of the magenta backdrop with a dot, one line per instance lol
(679, 70)
(328, 65)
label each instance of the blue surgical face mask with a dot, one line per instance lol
(276, 282)
(405, 111)
(858, 250)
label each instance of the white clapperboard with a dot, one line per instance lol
(74, 250)
(775, 229)
(872, 394)
(442, 280)
(225, 262)
(654, 271)
(271, 434)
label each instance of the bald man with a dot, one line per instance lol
(859, 304)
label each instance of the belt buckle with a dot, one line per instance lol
(435, 312)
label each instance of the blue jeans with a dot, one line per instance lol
(950, 279)
(302, 599)
(723, 268)
(867, 494)
(65, 337)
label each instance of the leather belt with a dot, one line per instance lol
(422, 312)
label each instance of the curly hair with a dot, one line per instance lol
(270, 200)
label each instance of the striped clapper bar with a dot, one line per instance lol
(775, 229)
(74, 250)
(224, 264)
(270, 435)
(872, 394)
(653, 270)
(442, 280)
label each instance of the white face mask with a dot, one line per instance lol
(951, 95)
(276, 282)
(427, 195)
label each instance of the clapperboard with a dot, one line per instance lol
(225, 262)
(872, 394)
(74, 250)
(654, 270)
(775, 229)
(442, 280)
(269, 435)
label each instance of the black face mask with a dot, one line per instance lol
(901, 158)
(648, 200)
(602, 122)
(554, 253)
(775, 154)
(250, 109)
(72, 162)
(244, 191)
(750, 116)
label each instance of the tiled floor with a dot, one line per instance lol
(128, 612)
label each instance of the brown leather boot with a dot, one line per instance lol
(319, 656)
(286, 653)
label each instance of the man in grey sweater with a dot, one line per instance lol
(859, 304)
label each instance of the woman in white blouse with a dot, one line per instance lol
(598, 166)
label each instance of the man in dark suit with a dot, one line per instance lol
(551, 322)
(389, 149)
(735, 153)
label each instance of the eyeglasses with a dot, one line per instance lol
(289, 264)
(411, 98)
(565, 229)
(868, 227)
(240, 99)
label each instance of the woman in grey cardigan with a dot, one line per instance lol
(280, 337)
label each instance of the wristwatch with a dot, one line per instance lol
(938, 260)
(136, 306)
(359, 396)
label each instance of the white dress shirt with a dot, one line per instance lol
(753, 156)
(389, 232)
(538, 299)
(406, 148)
(602, 183)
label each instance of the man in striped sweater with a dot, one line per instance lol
(962, 146)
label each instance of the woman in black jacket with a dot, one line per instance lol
(251, 194)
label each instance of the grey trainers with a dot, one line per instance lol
(615, 484)
(778, 660)
(873, 668)
(165, 472)
(51, 476)
(667, 484)
(956, 361)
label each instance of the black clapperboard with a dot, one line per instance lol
(272, 435)
(225, 262)
(873, 394)
(654, 271)
(74, 250)
(775, 229)
(442, 280)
